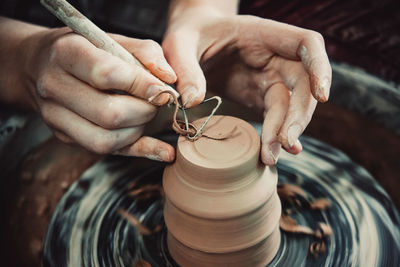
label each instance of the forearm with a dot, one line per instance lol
(13, 58)
(197, 7)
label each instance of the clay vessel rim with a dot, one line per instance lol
(217, 166)
(203, 153)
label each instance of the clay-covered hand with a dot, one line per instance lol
(274, 67)
(73, 85)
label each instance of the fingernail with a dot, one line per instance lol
(165, 67)
(152, 96)
(153, 90)
(272, 154)
(164, 155)
(299, 145)
(274, 149)
(293, 134)
(154, 157)
(188, 95)
(322, 91)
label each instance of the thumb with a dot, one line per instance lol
(181, 53)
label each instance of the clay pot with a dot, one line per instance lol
(221, 201)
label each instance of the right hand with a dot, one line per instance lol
(70, 80)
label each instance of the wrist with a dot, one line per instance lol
(199, 11)
(14, 52)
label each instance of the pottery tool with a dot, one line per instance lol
(190, 131)
(80, 24)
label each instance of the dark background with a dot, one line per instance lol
(360, 33)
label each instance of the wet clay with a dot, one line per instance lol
(221, 202)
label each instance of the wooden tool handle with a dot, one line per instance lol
(83, 26)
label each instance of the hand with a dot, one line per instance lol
(71, 80)
(274, 67)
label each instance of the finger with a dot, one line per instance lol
(301, 107)
(85, 133)
(276, 104)
(109, 111)
(150, 54)
(296, 148)
(315, 60)
(104, 71)
(182, 54)
(296, 43)
(149, 147)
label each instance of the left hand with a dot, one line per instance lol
(274, 67)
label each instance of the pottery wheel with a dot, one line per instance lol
(87, 228)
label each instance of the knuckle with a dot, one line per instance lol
(104, 74)
(101, 74)
(140, 148)
(58, 47)
(61, 46)
(140, 80)
(112, 117)
(102, 144)
(151, 45)
(319, 37)
(310, 34)
(44, 86)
